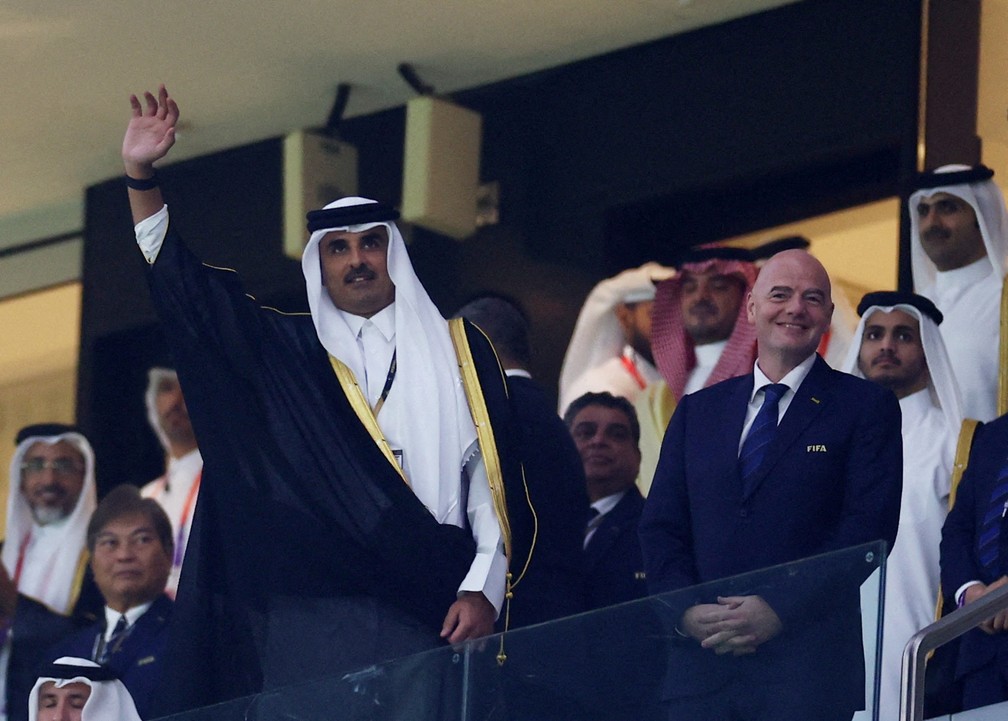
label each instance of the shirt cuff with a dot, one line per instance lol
(961, 591)
(488, 571)
(150, 234)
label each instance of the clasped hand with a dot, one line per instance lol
(735, 624)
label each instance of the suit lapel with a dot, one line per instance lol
(139, 638)
(608, 529)
(808, 402)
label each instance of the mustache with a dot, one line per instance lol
(936, 233)
(886, 356)
(362, 272)
(54, 488)
(703, 306)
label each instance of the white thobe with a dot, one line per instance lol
(174, 492)
(707, 356)
(614, 377)
(970, 300)
(912, 573)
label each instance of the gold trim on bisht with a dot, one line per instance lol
(363, 410)
(1002, 399)
(78, 580)
(962, 453)
(484, 431)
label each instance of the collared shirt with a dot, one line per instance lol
(509, 372)
(707, 356)
(376, 342)
(970, 300)
(132, 614)
(949, 285)
(603, 506)
(794, 378)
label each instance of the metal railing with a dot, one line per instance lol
(929, 638)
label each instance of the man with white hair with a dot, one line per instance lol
(355, 459)
(959, 251)
(76, 689)
(43, 592)
(610, 348)
(178, 488)
(901, 349)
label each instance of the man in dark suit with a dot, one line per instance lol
(791, 461)
(620, 681)
(974, 562)
(606, 433)
(130, 541)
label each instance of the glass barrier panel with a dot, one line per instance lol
(632, 662)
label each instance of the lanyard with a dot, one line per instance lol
(631, 368)
(388, 385)
(190, 501)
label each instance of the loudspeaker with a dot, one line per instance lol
(441, 166)
(317, 170)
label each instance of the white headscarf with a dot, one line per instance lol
(428, 388)
(109, 700)
(987, 202)
(597, 335)
(155, 376)
(942, 385)
(62, 552)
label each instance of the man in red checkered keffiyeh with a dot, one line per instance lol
(699, 336)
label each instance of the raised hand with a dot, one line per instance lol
(150, 133)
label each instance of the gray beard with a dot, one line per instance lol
(44, 515)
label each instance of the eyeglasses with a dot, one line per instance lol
(59, 466)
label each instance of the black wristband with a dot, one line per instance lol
(142, 184)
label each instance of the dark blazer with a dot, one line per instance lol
(138, 659)
(959, 556)
(554, 475)
(614, 569)
(831, 479)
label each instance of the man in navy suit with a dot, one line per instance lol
(606, 433)
(974, 562)
(130, 540)
(738, 490)
(620, 682)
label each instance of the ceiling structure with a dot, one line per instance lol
(245, 71)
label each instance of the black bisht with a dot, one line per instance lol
(296, 498)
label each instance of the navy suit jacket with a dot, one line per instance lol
(830, 479)
(614, 569)
(137, 660)
(959, 556)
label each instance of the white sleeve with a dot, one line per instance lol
(150, 234)
(488, 572)
(962, 590)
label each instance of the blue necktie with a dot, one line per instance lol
(761, 432)
(112, 645)
(990, 531)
